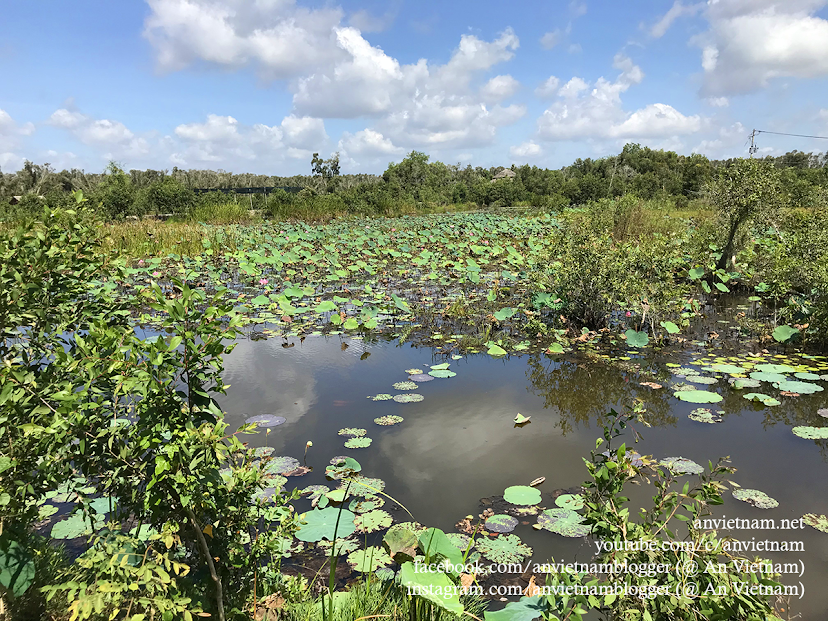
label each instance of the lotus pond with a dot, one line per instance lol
(403, 344)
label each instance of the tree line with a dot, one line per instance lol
(415, 181)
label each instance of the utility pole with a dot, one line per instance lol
(753, 148)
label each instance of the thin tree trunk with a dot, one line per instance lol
(728, 249)
(209, 559)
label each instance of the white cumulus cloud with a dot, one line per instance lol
(527, 150)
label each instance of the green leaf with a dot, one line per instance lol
(783, 334)
(436, 587)
(325, 306)
(17, 568)
(670, 327)
(496, 350)
(696, 273)
(505, 313)
(522, 495)
(636, 339)
(721, 287)
(698, 396)
(526, 609)
(320, 524)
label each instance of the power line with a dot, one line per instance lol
(762, 131)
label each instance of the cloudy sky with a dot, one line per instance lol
(259, 85)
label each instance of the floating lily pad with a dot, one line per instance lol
(405, 386)
(803, 388)
(775, 368)
(730, 369)
(372, 521)
(266, 420)
(420, 378)
(496, 350)
(341, 467)
(263, 451)
(442, 373)
(522, 495)
(414, 371)
(681, 465)
(820, 522)
(459, 540)
(365, 505)
(314, 491)
(764, 376)
(501, 523)
(807, 376)
(763, 399)
(356, 443)
(321, 523)
(636, 339)
(382, 397)
(565, 522)
(269, 492)
(76, 526)
(46, 511)
(570, 501)
(701, 379)
(754, 497)
(281, 464)
(811, 433)
(343, 546)
(388, 420)
(504, 549)
(411, 397)
(698, 396)
(353, 432)
(369, 559)
(704, 415)
(363, 486)
(744, 382)
(440, 367)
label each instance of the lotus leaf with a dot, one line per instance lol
(522, 495)
(496, 350)
(325, 307)
(701, 379)
(357, 443)
(343, 546)
(775, 368)
(565, 522)
(363, 486)
(353, 432)
(459, 540)
(803, 388)
(413, 371)
(366, 504)
(504, 549)
(280, 465)
(820, 522)
(76, 526)
(636, 339)
(405, 386)
(263, 451)
(388, 420)
(754, 497)
(411, 397)
(806, 376)
(681, 465)
(570, 501)
(17, 568)
(314, 491)
(46, 511)
(525, 609)
(434, 586)
(764, 399)
(704, 415)
(764, 376)
(784, 333)
(341, 467)
(442, 373)
(369, 559)
(670, 327)
(372, 521)
(555, 348)
(698, 396)
(266, 420)
(420, 378)
(811, 433)
(505, 313)
(501, 523)
(382, 397)
(321, 523)
(743, 382)
(730, 369)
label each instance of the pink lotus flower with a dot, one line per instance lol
(141, 262)
(156, 274)
(263, 281)
(629, 314)
(392, 230)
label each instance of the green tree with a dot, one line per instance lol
(116, 194)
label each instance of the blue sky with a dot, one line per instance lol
(259, 85)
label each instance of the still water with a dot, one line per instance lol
(460, 445)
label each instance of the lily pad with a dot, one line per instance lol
(522, 495)
(681, 465)
(343, 546)
(414, 371)
(504, 549)
(321, 523)
(355, 443)
(382, 397)
(372, 521)
(807, 376)
(775, 368)
(263, 451)
(570, 501)
(741, 383)
(704, 415)
(636, 339)
(266, 420)
(411, 397)
(459, 540)
(363, 486)
(763, 399)
(405, 386)
(764, 376)
(388, 420)
(342, 466)
(369, 559)
(730, 369)
(420, 378)
(501, 523)
(442, 373)
(754, 497)
(698, 396)
(820, 522)
(565, 522)
(364, 505)
(803, 388)
(353, 432)
(496, 350)
(701, 379)
(281, 464)
(811, 433)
